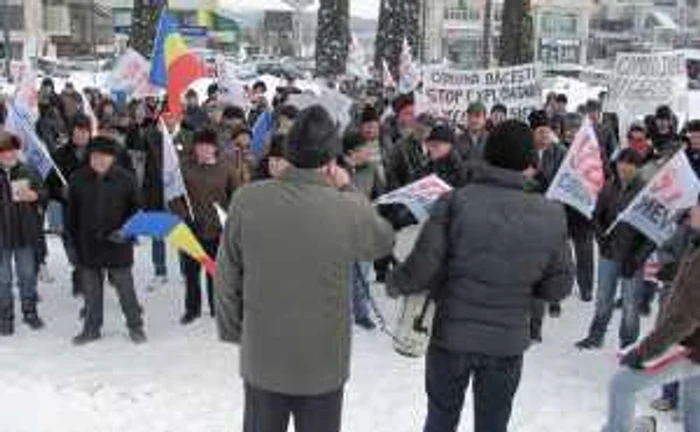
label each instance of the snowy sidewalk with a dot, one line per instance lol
(183, 380)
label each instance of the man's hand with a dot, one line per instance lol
(632, 360)
(27, 195)
(337, 176)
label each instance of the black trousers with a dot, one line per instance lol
(495, 382)
(584, 250)
(193, 287)
(270, 412)
(93, 287)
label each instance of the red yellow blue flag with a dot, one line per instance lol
(174, 66)
(167, 226)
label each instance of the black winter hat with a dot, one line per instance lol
(289, 111)
(205, 136)
(212, 89)
(402, 101)
(103, 144)
(510, 146)
(313, 141)
(369, 114)
(81, 121)
(499, 108)
(233, 112)
(441, 133)
(664, 112)
(538, 119)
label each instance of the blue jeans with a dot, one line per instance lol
(609, 273)
(159, 257)
(360, 289)
(448, 375)
(627, 383)
(25, 267)
(54, 214)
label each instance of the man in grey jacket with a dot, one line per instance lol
(486, 252)
(282, 281)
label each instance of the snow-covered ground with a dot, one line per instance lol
(184, 380)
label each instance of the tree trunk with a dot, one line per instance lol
(486, 42)
(7, 41)
(144, 24)
(332, 37)
(516, 36)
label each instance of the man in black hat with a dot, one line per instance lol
(194, 116)
(607, 139)
(663, 133)
(282, 281)
(473, 139)
(481, 326)
(445, 161)
(499, 114)
(102, 196)
(550, 155)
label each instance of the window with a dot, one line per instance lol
(16, 15)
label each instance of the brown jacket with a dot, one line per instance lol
(206, 185)
(680, 322)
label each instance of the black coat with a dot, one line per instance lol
(153, 198)
(407, 162)
(549, 164)
(20, 223)
(488, 265)
(98, 207)
(624, 244)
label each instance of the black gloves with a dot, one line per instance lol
(633, 360)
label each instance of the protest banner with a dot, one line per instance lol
(655, 209)
(131, 75)
(448, 92)
(419, 196)
(580, 177)
(641, 82)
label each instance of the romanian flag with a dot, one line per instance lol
(167, 226)
(174, 66)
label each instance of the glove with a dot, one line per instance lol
(632, 360)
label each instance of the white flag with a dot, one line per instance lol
(388, 78)
(419, 196)
(673, 189)
(407, 71)
(173, 182)
(580, 177)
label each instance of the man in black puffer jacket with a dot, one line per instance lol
(486, 252)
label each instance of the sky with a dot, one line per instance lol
(360, 8)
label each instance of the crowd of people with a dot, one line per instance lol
(298, 193)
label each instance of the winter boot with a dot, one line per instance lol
(137, 335)
(7, 320)
(85, 337)
(31, 317)
(590, 343)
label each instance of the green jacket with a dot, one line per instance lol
(282, 279)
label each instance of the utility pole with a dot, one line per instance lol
(7, 40)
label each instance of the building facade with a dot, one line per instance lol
(561, 31)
